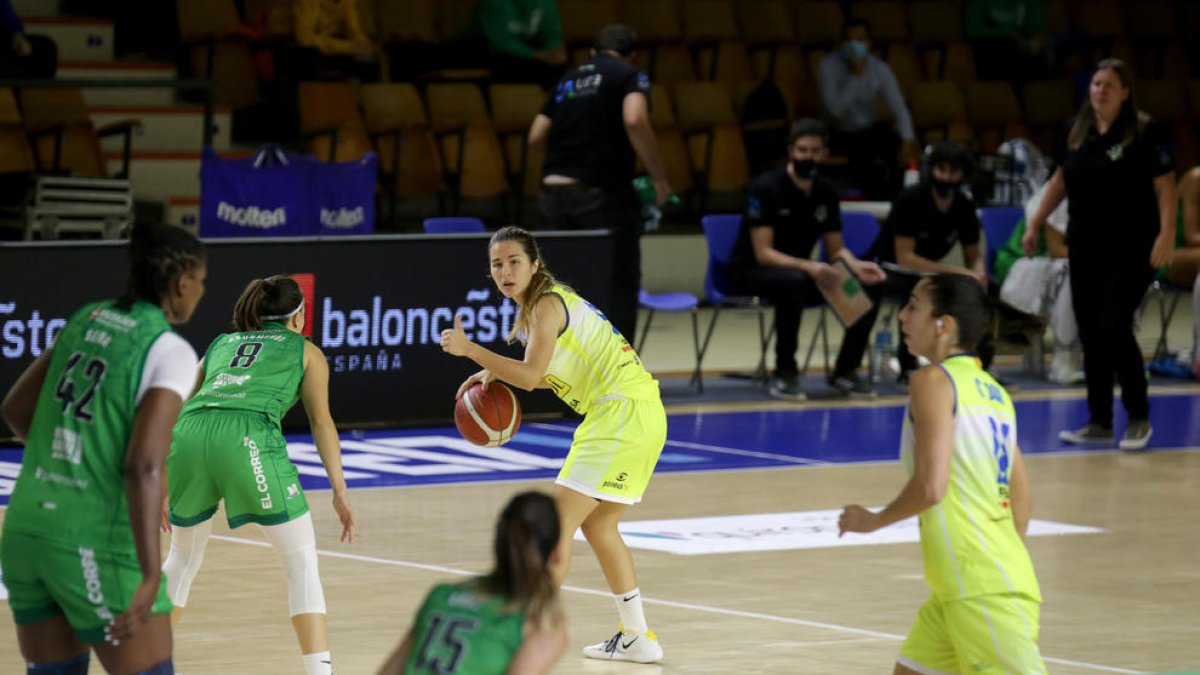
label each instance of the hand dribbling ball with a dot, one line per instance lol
(487, 417)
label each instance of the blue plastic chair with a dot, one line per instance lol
(455, 225)
(721, 234)
(672, 302)
(999, 222)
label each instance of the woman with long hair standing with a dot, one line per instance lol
(229, 446)
(573, 349)
(507, 622)
(80, 550)
(1118, 173)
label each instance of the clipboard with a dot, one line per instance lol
(846, 296)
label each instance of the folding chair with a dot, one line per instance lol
(1168, 295)
(673, 302)
(453, 225)
(721, 234)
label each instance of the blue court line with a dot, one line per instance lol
(707, 442)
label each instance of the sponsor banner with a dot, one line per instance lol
(251, 197)
(782, 532)
(274, 193)
(376, 306)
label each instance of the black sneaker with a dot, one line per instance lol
(787, 388)
(1137, 435)
(1089, 434)
(851, 385)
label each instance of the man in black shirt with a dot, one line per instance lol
(590, 128)
(925, 222)
(789, 208)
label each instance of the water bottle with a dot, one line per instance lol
(1002, 178)
(651, 217)
(880, 354)
(1020, 173)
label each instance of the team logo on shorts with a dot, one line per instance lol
(260, 479)
(618, 484)
(91, 581)
(293, 491)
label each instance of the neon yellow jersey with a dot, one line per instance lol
(592, 361)
(969, 541)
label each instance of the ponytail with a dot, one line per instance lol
(276, 298)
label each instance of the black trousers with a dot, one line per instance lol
(583, 207)
(1106, 289)
(791, 291)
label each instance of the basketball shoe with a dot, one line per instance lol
(643, 648)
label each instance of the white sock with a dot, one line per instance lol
(318, 663)
(629, 605)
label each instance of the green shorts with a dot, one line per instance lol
(981, 635)
(88, 586)
(615, 450)
(239, 457)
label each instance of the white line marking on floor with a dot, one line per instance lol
(665, 603)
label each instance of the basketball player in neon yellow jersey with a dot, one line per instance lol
(969, 488)
(572, 348)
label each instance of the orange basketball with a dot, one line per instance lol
(487, 417)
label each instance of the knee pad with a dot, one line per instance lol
(75, 666)
(183, 562)
(296, 546)
(164, 668)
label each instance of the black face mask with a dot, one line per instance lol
(804, 168)
(945, 188)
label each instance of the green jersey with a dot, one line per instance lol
(459, 631)
(592, 361)
(969, 541)
(72, 483)
(255, 371)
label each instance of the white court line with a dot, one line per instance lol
(667, 603)
(715, 449)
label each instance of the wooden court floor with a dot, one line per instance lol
(1126, 600)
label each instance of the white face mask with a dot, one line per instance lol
(855, 50)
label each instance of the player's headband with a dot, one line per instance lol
(285, 317)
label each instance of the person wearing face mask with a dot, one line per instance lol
(788, 209)
(926, 221)
(852, 81)
(1117, 172)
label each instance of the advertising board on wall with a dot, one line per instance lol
(377, 305)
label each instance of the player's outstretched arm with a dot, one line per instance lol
(932, 409)
(314, 391)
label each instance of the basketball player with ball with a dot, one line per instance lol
(573, 349)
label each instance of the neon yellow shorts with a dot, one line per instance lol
(981, 635)
(615, 450)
